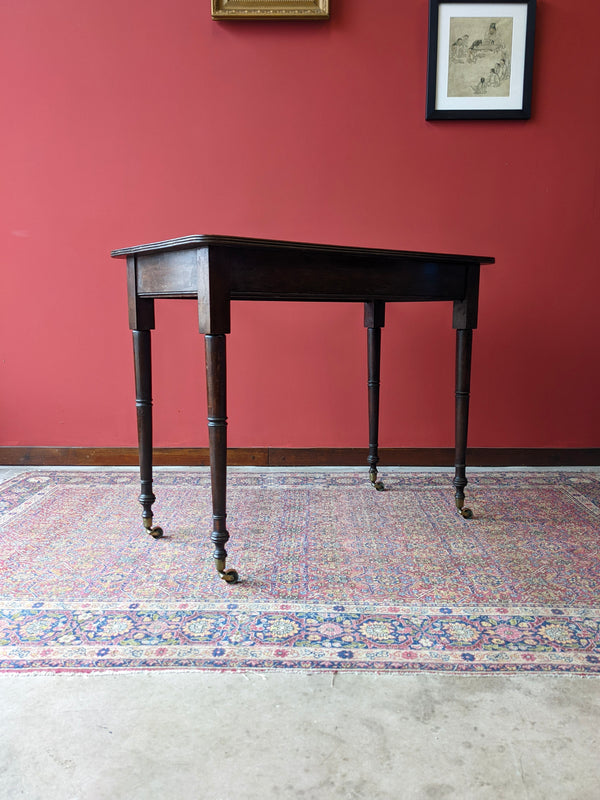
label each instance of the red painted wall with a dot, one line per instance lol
(131, 122)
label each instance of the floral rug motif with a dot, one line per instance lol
(333, 575)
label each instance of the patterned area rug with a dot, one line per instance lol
(333, 575)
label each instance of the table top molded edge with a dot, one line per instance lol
(202, 240)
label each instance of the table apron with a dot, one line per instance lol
(185, 274)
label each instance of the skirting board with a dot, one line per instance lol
(301, 457)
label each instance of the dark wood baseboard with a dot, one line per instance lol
(437, 457)
(301, 457)
(125, 456)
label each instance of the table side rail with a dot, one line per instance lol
(303, 276)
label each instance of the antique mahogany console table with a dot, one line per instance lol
(214, 270)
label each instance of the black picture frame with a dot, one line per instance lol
(480, 59)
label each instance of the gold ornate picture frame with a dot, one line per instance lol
(270, 9)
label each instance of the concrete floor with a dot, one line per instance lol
(310, 736)
(205, 736)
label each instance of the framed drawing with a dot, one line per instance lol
(270, 9)
(480, 61)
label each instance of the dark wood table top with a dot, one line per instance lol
(204, 240)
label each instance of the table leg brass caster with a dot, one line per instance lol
(373, 478)
(230, 576)
(465, 513)
(156, 532)
(459, 497)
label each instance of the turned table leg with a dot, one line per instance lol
(464, 341)
(374, 322)
(216, 386)
(143, 401)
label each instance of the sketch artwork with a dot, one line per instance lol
(480, 56)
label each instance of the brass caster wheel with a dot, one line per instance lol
(230, 576)
(156, 532)
(466, 513)
(374, 482)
